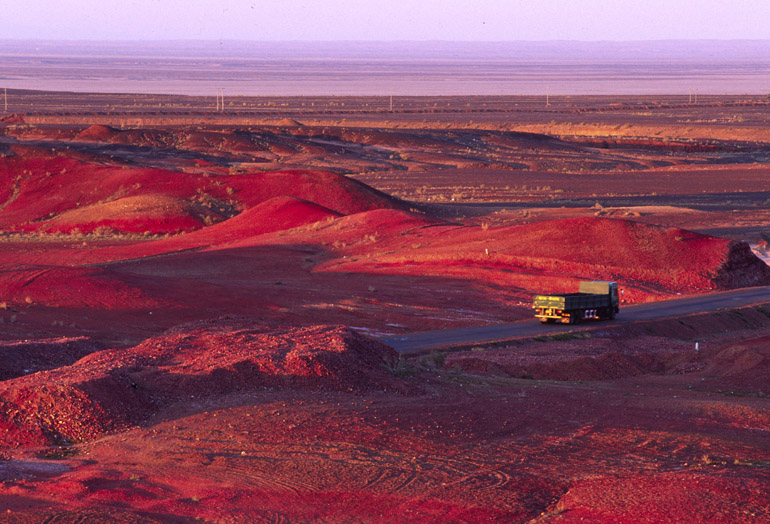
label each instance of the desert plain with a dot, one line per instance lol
(196, 301)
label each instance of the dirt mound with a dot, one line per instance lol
(359, 232)
(68, 404)
(672, 259)
(114, 389)
(276, 214)
(155, 214)
(742, 368)
(98, 133)
(219, 359)
(30, 356)
(288, 122)
(336, 192)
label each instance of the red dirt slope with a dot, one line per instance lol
(152, 214)
(114, 389)
(551, 256)
(276, 214)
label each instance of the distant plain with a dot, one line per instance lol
(405, 68)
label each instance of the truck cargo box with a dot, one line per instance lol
(596, 299)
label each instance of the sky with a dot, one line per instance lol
(384, 20)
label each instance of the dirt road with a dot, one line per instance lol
(426, 340)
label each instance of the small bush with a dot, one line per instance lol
(438, 358)
(399, 367)
(763, 311)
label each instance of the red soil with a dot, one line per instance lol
(649, 498)
(577, 360)
(252, 423)
(554, 255)
(274, 417)
(112, 389)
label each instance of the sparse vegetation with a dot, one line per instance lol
(569, 335)
(399, 367)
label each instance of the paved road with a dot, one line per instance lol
(426, 340)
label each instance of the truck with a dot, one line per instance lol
(594, 300)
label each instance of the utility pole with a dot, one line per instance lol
(220, 99)
(547, 96)
(5, 94)
(391, 99)
(690, 100)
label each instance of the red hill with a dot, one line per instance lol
(276, 214)
(336, 192)
(621, 249)
(135, 214)
(40, 192)
(551, 256)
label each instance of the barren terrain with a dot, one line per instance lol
(190, 302)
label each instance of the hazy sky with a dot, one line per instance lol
(483, 20)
